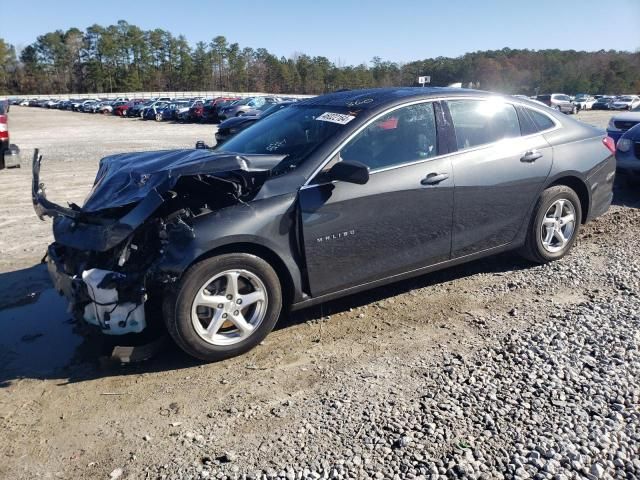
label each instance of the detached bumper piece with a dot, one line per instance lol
(112, 301)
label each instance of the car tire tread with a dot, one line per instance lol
(532, 249)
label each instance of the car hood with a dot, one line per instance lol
(237, 121)
(128, 178)
(130, 187)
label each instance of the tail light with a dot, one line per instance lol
(4, 128)
(610, 143)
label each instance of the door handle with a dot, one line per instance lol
(530, 156)
(434, 178)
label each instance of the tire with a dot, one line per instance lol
(187, 320)
(158, 117)
(535, 248)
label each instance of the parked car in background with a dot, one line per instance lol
(622, 122)
(24, 103)
(4, 131)
(66, 104)
(174, 108)
(232, 126)
(603, 103)
(625, 102)
(89, 106)
(238, 108)
(330, 196)
(136, 110)
(584, 101)
(558, 101)
(212, 108)
(628, 152)
(108, 108)
(121, 110)
(154, 111)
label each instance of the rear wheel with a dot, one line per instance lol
(225, 306)
(158, 117)
(554, 225)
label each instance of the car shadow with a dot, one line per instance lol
(40, 340)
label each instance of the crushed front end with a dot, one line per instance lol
(107, 254)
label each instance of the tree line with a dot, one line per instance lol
(123, 57)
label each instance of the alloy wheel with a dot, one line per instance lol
(229, 307)
(558, 225)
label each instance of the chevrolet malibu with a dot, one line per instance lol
(330, 196)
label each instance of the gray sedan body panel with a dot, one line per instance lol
(332, 238)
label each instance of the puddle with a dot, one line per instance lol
(37, 338)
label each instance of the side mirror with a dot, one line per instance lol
(350, 171)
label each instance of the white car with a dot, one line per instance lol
(585, 102)
(626, 102)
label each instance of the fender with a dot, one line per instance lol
(272, 221)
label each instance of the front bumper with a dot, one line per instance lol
(109, 300)
(628, 162)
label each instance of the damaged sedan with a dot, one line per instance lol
(330, 196)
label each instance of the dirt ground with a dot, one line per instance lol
(66, 414)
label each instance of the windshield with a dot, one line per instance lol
(625, 99)
(294, 132)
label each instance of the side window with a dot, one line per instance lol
(479, 122)
(541, 120)
(405, 135)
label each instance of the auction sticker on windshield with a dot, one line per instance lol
(340, 118)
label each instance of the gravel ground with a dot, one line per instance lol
(495, 369)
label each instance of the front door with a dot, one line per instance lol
(398, 221)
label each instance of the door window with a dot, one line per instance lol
(542, 121)
(405, 135)
(479, 122)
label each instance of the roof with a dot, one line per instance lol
(374, 97)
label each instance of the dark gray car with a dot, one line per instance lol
(327, 197)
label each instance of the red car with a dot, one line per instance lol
(4, 131)
(121, 110)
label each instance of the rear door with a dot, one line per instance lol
(498, 173)
(398, 221)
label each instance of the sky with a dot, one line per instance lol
(349, 31)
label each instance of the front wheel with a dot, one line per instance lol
(225, 306)
(554, 225)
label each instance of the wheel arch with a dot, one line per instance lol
(580, 187)
(265, 253)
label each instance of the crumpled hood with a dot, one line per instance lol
(128, 178)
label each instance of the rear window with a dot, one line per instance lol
(479, 122)
(541, 120)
